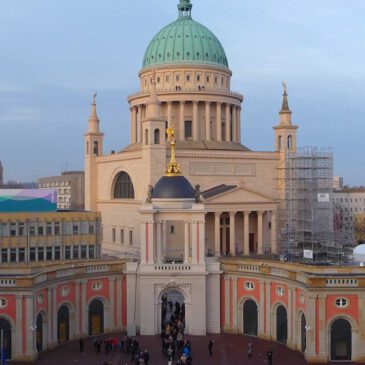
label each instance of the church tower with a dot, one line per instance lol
(93, 148)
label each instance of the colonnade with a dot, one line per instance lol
(246, 231)
(154, 241)
(225, 115)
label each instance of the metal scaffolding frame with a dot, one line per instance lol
(308, 233)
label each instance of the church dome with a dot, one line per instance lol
(185, 41)
(173, 187)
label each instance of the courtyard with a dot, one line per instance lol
(227, 350)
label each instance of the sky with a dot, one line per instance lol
(55, 54)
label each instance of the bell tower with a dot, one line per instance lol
(93, 148)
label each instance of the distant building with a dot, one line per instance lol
(70, 188)
(337, 183)
(351, 203)
(1, 174)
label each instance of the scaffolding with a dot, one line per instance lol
(308, 233)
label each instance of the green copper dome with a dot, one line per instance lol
(185, 41)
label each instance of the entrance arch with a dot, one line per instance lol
(303, 333)
(250, 318)
(6, 327)
(96, 317)
(63, 324)
(165, 310)
(341, 340)
(39, 332)
(281, 324)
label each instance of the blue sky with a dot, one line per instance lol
(55, 54)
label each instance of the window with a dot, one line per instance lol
(75, 252)
(279, 143)
(280, 291)
(75, 228)
(40, 230)
(167, 79)
(21, 254)
(57, 253)
(91, 252)
(67, 252)
(4, 255)
(172, 229)
(3, 303)
(156, 136)
(113, 234)
(131, 237)
(40, 253)
(49, 229)
(188, 129)
(49, 253)
(198, 78)
(65, 291)
(187, 77)
(32, 254)
(12, 229)
(97, 285)
(57, 229)
(32, 230)
(123, 187)
(13, 255)
(21, 229)
(122, 236)
(91, 228)
(341, 302)
(207, 79)
(289, 142)
(83, 251)
(249, 285)
(177, 77)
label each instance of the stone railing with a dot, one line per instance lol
(7, 283)
(172, 267)
(96, 268)
(342, 282)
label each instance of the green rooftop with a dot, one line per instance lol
(185, 41)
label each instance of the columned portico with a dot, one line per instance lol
(246, 233)
(219, 121)
(182, 121)
(207, 121)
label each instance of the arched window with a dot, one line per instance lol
(157, 136)
(96, 148)
(279, 143)
(289, 142)
(123, 187)
(146, 136)
(87, 147)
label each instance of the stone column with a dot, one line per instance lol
(234, 302)
(246, 233)
(84, 309)
(77, 309)
(219, 121)
(195, 121)
(50, 320)
(274, 248)
(207, 121)
(261, 314)
(201, 237)
(194, 251)
(111, 305)
(186, 243)
(54, 315)
(139, 124)
(239, 124)
(232, 233)
(234, 124)
(310, 352)
(227, 303)
(144, 230)
(290, 318)
(30, 326)
(151, 242)
(260, 232)
(217, 233)
(322, 297)
(119, 302)
(181, 131)
(164, 237)
(158, 241)
(268, 308)
(169, 113)
(133, 124)
(18, 326)
(228, 123)
(361, 335)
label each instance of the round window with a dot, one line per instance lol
(280, 291)
(249, 285)
(3, 302)
(97, 285)
(65, 291)
(341, 302)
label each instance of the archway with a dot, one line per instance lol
(341, 340)
(63, 324)
(250, 318)
(5, 326)
(172, 308)
(39, 333)
(303, 333)
(96, 317)
(281, 324)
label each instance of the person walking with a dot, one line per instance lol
(249, 350)
(210, 347)
(270, 355)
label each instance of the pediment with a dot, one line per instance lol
(241, 195)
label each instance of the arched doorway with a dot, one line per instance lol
(39, 333)
(341, 340)
(96, 317)
(5, 326)
(303, 333)
(172, 308)
(250, 318)
(63, 324)
(281, 324)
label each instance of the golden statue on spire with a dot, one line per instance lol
(173, 167)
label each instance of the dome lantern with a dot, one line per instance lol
(184, 8)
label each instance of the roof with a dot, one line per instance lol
(185, 41)
(216, 190)
(173, 187)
